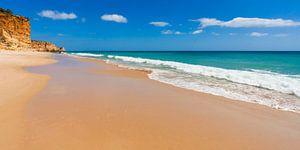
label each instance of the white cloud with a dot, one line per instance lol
(177, 33)
(56, 15)
(205, 22)
(258, 34)
(114, 17)
(197, 32)
(169, 32)
(247, 22)
(160, 24)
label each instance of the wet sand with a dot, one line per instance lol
(77, 104)
(88, 104)
(17, 87)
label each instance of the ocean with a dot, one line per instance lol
(267, 78)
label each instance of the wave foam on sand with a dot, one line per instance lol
(275, 90)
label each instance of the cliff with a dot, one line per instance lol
(15, 35)
(45, 46)
(14, 32)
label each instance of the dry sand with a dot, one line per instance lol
(88, 104)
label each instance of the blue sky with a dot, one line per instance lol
(164, 24)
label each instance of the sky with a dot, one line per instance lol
(164, 24)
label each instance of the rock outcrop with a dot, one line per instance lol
(14, 32)
(45, 46)
(15, 35)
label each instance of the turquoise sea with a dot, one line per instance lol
(266, 78)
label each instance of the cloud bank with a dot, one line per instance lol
(56, 15)
(240, 22)
(114, 18)
(160, 24)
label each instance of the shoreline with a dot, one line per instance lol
(148, 76)
(102, 106)
(89, 104)
(17, 87)
(145, 74)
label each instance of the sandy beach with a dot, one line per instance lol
(17, 87)
(79, 103)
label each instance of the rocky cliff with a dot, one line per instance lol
(15, 35)
(14, 32)
(45, 46)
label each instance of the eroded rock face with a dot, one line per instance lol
(45, 46)
(15, 35)
(14, 32)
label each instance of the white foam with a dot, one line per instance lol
(88, 54)
(232, 91)
(110, 56)
(273, 81)
(267, 88)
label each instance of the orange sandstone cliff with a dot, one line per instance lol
(42, 46)
(15, 35)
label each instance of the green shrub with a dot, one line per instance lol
(6, 11)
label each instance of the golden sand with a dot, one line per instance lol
(17, 86)
(88, 104)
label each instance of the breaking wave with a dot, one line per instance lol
(268, 80)
(279, 91)
(256, 86)
(88, 54)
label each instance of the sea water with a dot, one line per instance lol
(267, 78)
